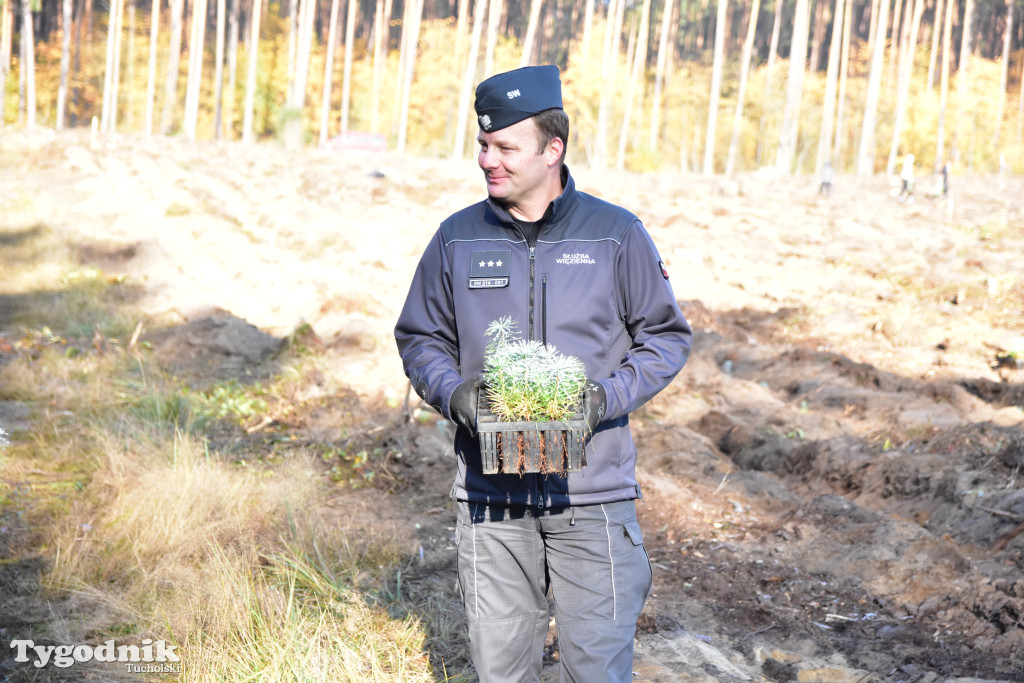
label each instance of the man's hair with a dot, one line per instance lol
(551, 124)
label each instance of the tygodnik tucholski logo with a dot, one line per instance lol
(149, 657)
(575, 260)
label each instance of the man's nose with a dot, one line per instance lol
(487, 159)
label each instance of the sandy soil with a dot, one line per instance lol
(833, 485)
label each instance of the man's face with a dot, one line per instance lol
(512, 166)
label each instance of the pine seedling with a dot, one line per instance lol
(528, 381)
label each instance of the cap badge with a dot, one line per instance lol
(485, 122)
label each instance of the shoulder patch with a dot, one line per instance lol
(664, 270)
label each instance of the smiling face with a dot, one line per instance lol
(520, 173)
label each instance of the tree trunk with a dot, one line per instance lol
(866, 153)
(411, 36)
(493, 22)
(906, 70)
(636, 80)
(197, 40)
(531, 33)
(29, 65)
(108, 111)
(468, 77)
(947, 58)
(894, 48)
(659, 75)
(737, 119)
(962, 77)
(1004, 72)
(844, 69)
(588, 27)
(794, 89)
(6, 38)
(250, 80)
(831, 72)
(154, 33)
(933, 56)
(461, 22)
(716, 89)
(766, 104)
(332, 37)
(65, 63)
(218, 72)
(609, 64)
(173, 67)
(379, 23)
(129, 114)
(346, 79)
(820, 28)
(233, 29)
(293, 22)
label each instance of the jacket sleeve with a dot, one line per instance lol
(425, 332)
(661, 336)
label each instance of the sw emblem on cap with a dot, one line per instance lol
(485, 122)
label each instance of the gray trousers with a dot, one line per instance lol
(593, 560)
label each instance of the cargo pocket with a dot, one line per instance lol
(632, 528)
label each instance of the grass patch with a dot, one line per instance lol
(142, 528)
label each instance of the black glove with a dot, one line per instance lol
(463, 403)
(595, 403)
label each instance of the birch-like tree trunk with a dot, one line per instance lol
(197, 41)
(129, 114)
(233, 28)
(154, 34)
(947, 58)
(293, 23)
(588, 27)
(866, 152)
(250, 79)
(378, 64)
(895, 47)
(1004, 73)
(741, 94)
(493, 22)
(661, 67)
(906, 69)
(636, 80)
(350, 49)
(716, 89)
(531, 33)
(173, 67)
(6, 36)
(844, 70)
(794, 89)
(332, 39)
(218, 71)
(766, 100)
(28, 66)
(411, 36)
(609, 64)
(468, 77)
(108, 111)
(831, 72)
(461, 23)
(65, 64)
(933, 56)
(962, 76)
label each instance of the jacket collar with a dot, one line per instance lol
(557, 209)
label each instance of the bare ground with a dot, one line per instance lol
(833, 485)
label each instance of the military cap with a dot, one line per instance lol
(510, 97)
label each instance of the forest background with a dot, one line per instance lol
(649, 84)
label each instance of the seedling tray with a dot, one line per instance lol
(522, 447)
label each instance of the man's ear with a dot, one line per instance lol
(553, 151)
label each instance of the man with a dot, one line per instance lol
(584, 276)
